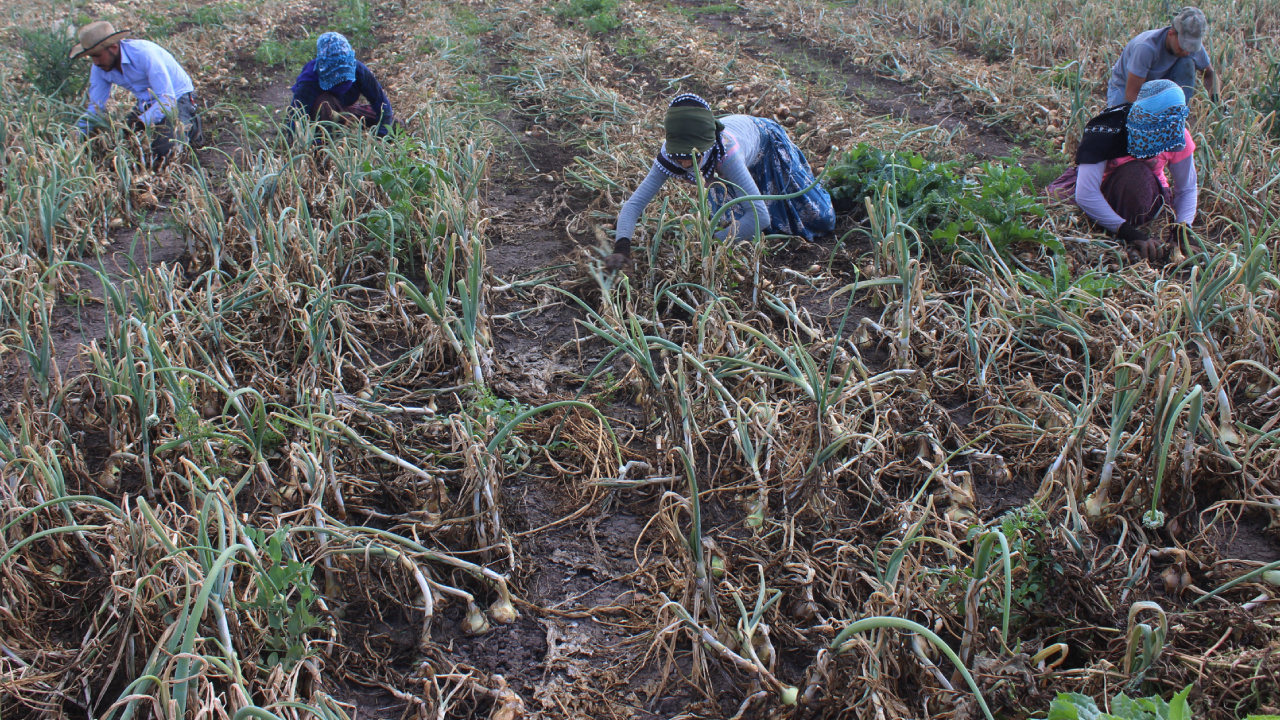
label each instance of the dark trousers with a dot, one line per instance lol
(165, 133)
(1183, 72)
(327, 108)
(1135, 193)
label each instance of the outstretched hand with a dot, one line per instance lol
(1149, 249)
(1141, 245)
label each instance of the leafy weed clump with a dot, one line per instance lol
(216, 15)
(1075, 706)
(922, 188)
(935, 199)
(1033, 567)
(47, 65)
(285, 597)
(997, 208)
(354, 20)
(599, 16)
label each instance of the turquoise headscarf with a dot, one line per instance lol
(1155, 121)
(335, 60)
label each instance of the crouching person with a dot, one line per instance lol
(741, 156)
(329, 89)
(1120, 176)
(166, 108)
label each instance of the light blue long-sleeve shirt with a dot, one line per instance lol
(742, 148)
(150, 72)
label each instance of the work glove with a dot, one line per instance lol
(620, 256)
(1141, 243)
(1130, 234)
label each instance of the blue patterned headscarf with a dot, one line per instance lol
(1156, 119)
(335, 60)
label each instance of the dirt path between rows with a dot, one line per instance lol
(877, 94)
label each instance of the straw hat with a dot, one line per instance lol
(95, 35)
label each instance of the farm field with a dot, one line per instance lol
(364, 429)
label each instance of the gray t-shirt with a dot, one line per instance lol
(1147, 57)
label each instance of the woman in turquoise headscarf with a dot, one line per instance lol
(329, 87)
(740, 155)
(1127, 158)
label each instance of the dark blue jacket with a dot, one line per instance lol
(307, 87)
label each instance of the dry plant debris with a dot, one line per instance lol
(362, 429)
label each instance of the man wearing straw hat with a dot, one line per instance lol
(1172, 53)
(165, 94)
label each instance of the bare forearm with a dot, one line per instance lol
(1214, 81)
(1133, 87)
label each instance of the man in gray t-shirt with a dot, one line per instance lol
(1173, 53)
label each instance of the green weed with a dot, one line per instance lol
(354, 20)
(599, 16)
(1044, 173)
(285, 52)
(472, 24)
(634, 43)
(216, 15)
(1267, 98)
(160, 23)
(712, 9)
(1059, 287)
(1074, 706)
(923, 189)
(1032, 567)
(997, 209)
(285, 597)
(47, 65)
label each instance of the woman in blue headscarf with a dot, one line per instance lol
(329, 87)
(1120, 177)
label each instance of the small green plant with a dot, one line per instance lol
(47, 65)
(712, 9)
(470, 23)
(1032, 568)
(1074, 706)
(1025, 527)
(1044, 173)
(502, 411)
(1058, 287)
(285, 597)
(634, 43)
(285, 52)
(599, 16)
(354, 20)
(609, 387)
(159, 24)
(936, 200)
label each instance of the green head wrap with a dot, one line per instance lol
(690, 129)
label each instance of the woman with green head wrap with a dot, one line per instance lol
(738, 154)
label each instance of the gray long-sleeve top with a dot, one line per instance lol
(741, 146)
(1090, 199)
